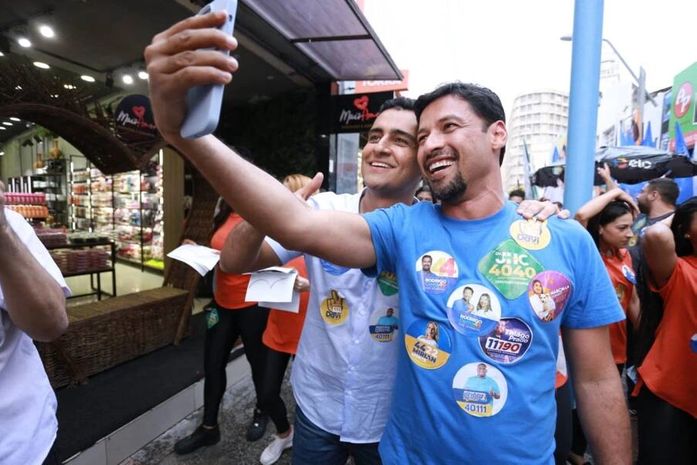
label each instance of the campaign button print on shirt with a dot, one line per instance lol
(436, 271)
(428, 344)
(531, 234)
(480, 389)
(473, 309)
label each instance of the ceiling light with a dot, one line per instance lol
(54, 95)
(18, 87)
(143, 75)
(2, 54)
(14, 118)
(127, 79)
(69, 86)
(46, 31)
(3, 128)
(40, 64)
(2, 152)
(7, 123)
(24, 42)
(86, 77)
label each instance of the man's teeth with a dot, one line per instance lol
(439, 164)
(379, 165)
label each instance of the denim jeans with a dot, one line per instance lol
(312, 446)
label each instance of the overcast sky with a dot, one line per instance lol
(513, 46)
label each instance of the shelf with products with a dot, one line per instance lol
(80, 199)
(47, 183)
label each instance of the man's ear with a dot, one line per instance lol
(498, 135)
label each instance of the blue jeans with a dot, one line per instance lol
(312, 446)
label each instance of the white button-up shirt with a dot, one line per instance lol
(345, 366)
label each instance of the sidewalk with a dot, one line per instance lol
(233, 448)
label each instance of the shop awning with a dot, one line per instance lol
(333, 33)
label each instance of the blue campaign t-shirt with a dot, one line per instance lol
(527, 280)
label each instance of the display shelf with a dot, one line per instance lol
(87, 258)
(50, 184)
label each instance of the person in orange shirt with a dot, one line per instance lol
(667, 387)
(228, 318)
(608, 218)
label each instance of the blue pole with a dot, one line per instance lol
(583, 102)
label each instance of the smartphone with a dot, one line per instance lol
(203, 102)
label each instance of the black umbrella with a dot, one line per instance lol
(628, 165)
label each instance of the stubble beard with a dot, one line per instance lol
(453, 191)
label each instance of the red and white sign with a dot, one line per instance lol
(363, 87)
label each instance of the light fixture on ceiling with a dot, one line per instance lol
(87, 77)
(2, 54)
(2, 152)
(127, 79)
(143, 75)
(24, 42)
(7, 123)
(46, 31)
(41, 64)
(14, 118)
(3, 128)
(69, 86)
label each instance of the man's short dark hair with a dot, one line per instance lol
(666, 188)
(484, 102)
(398, 103)
(517, 193)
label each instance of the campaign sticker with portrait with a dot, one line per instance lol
(628, 274)
(548, 293)
(480, 389)
(436, 271)
(508, 342)
(428, 344)
(473, 309)
(334, 309)
(331, 268)
(387, 282)
(384, 325)
(509, 268)
(531, 234)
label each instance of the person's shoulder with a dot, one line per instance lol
(334, 201)
(17, 222)
(566, 229)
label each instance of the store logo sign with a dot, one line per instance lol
(134, 118)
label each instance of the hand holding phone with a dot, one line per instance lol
(203, 102)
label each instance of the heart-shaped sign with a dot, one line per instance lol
(361, 103)
(139, 111)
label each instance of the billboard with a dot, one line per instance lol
(351, 112)
(683, 108)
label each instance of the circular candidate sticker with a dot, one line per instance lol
(531, 234)
(334, 309)
(428, 344)
(473, 309)
(480, 389)
(508, 342)
(385, 324)
(333, 269)
(548, 292)
(436, 271)
(629, 274)
(387, 282)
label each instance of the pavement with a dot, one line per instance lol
(233, 449)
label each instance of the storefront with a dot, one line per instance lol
(109, 204)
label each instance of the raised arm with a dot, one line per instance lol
(596, 205)
(604, 173)
(601, 405)
(245, 250)
(33, 299)
(659, 249)
(176, 63)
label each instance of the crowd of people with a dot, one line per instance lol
(431, 332)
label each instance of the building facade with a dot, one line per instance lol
(539, 122)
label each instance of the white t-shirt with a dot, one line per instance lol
(27, 402)
(345, 367)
